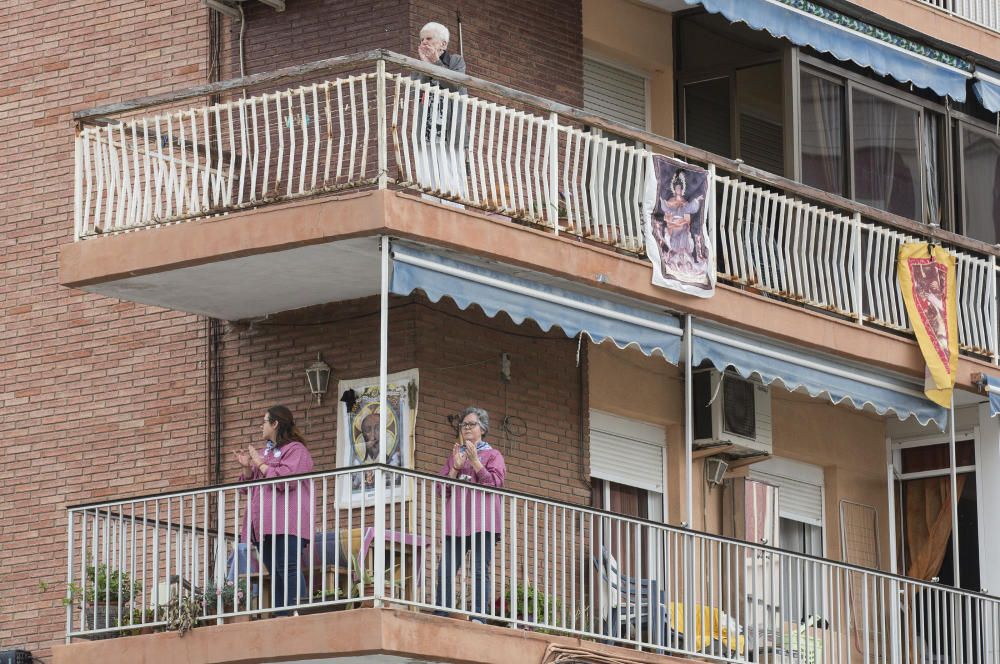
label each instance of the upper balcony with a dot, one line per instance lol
(191, 208)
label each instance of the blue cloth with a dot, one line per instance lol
(547, 305)
(993, 392)
(818, 373)
(805, 29)
(987, 89)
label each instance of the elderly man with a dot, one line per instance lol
(439, 153)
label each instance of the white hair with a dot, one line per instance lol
(437, 31)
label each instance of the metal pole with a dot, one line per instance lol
(688, 424)
(383, 135)
(954, 492)
(891, 489)
(383, 363)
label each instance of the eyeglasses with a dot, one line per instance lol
(469, 425)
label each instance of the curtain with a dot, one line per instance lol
(928, 524)
(875, 134)
(932, 211)
(822, 134)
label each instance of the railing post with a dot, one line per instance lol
(69, 576)
(994, 324)
(220, 556)
(78, 229)
(894, 613)
(379, 561)
(858, 272)
(553, 174)
(383, 147)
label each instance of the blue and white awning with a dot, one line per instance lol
(522, 298)
(987, 89)
(806, 23)
(817, 373)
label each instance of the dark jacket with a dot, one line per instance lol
(443, 125)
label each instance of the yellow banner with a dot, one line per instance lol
(927, 279)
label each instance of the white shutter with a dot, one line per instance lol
(800, 488)
(626, 451)
(614, 93)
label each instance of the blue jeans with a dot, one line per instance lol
(277, 544)
(481, 559)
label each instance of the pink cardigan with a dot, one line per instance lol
(482, 511)
(292, 459)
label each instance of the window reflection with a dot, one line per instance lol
(822, 133)
(981, 171)
(886, 161)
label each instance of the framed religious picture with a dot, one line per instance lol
(358, 428)
(678, 243)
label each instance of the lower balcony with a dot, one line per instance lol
(576, 583)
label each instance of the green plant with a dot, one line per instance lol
(182, 612)
(539, 605)
(137, 617)
(103, 585)
(230, 593)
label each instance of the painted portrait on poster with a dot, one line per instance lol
(358, 433)
(677, 234)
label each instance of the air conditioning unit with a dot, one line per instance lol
(731, 413)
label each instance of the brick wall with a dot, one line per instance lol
(97, 395)
(458, 356)
(102, 398)
(531, 45)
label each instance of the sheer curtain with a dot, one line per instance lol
(822, 133)
(932, 210)
(886, 154)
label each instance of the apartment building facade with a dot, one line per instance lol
(205, 201)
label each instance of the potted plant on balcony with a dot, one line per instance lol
(183, 612)
(528, 595)
(138, 620)
(104, 591)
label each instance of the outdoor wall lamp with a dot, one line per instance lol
(318, 374)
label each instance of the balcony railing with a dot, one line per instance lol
(981, 12)
(554, 566)
(496, 149)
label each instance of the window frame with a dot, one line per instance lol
(853, 81)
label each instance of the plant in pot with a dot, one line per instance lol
(139, 622)
(103, 592)
(231, 595)
(536, 601)
(183, 611)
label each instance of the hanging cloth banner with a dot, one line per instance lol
(677, 239)
(927, 279)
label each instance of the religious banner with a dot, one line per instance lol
(358, 428)
(676, 229)
(927, 279)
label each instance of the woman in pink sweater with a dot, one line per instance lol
(278, 519)
(472, 517)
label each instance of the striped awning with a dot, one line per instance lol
(525, 296)
(807, 23)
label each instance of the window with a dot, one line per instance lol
(885, 149)
(980, 169)
(800, 530)
(614, 93)
(822, 133)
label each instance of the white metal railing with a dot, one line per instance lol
(554, 566)
(982, 12)
(545, 168)
(784, 246)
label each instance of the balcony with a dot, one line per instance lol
(980, 12)
(527, 161)
(558, 570)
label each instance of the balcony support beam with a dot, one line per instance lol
(383, 380)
